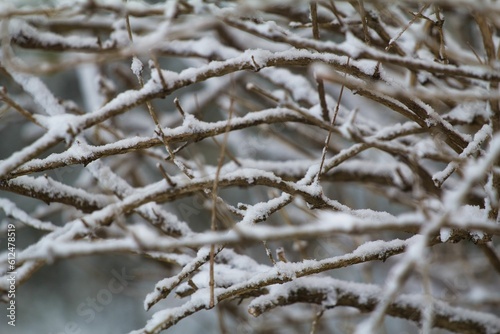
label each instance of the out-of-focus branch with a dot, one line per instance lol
(331, 293)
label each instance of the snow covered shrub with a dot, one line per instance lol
(289, 166)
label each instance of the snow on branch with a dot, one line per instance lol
(329, 293)
(239, 154)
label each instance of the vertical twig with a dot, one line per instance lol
(489, 46)
(315, 322)
(364, 20)
(220, 318)
(213, 225)
(427, 313)
(313, 7)
(332, 123)
(322, 99)
(319, 81)
(442, 46)
(269, 253)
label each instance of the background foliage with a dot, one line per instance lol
(309, 167)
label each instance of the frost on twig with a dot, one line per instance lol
(352, 139)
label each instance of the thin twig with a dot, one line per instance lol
(4, 97)
(213, 225)
(327, 140)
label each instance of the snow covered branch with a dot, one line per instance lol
(238, 154)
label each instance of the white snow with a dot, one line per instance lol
(13, 211)
(137, 67)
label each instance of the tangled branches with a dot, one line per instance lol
(255, 150)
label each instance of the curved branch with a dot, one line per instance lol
(330, 293)
(49, 190)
